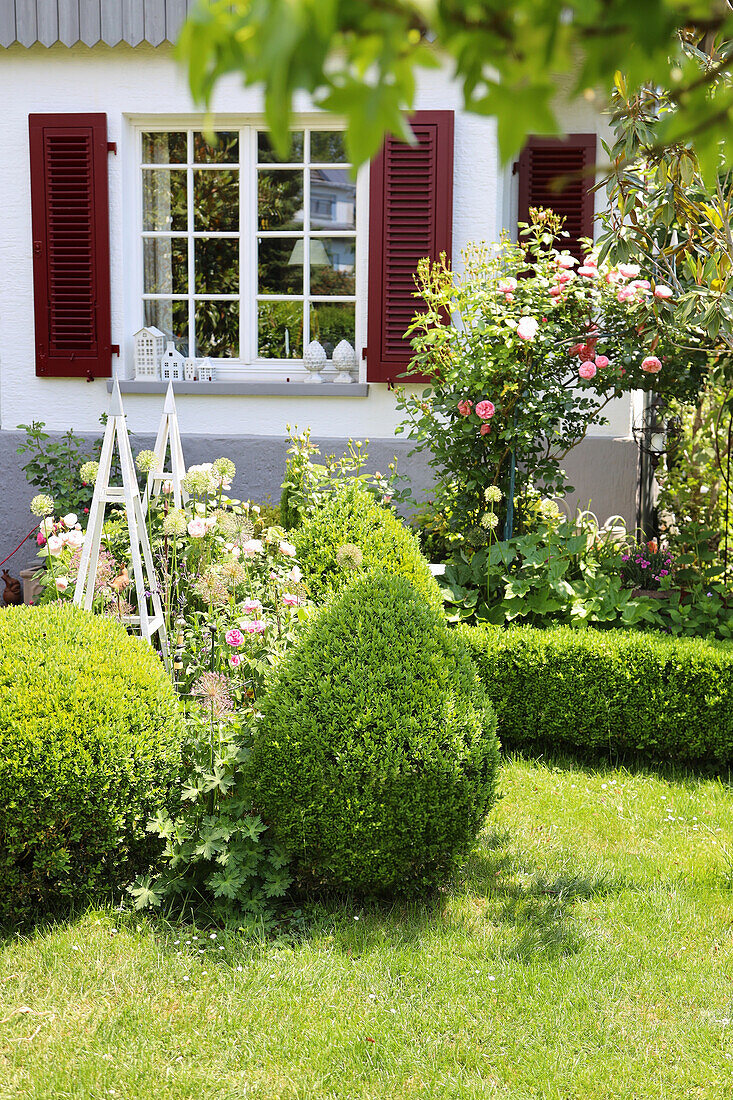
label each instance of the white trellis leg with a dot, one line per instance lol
(168, 432)
(128, 494)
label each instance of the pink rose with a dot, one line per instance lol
(651, 365)
(641, 284)
(257, 626)
(625, 294)
(287, 549)
(588, 350)
(601, 361)
(628, 271)
(290, 599)
(587, 370)
(663, 291)
(590, 261)
(485, 410)
(563, 277)
(484, 429)
(252, 547)
(55, 546)
(251, 607)
(235, 660)
(295, 575)
(464, 407)
(527, 328)
(234, 637)
(507, 286)
(612, 277)
(555, 290)
(588, 272)
(197, 528)
(566, 260)
(62, 583)
(41, 539)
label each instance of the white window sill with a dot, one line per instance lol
(252, 389)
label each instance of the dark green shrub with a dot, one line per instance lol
(376, 758)
(89, 744)
(630, 694)
(352, 517)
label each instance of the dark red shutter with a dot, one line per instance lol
(410, 216)
(544, 160)
(71, 280)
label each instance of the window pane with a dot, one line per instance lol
(332, 322)
(172, 319)
(328, 147)
(164, 199)
(280, 330)
(280, 265)
(333, 199)
(216, 200)
(280, 200)
(217, 329)
(266, 154)
(165, 148)
(165, 261)
(224, 150)
(217, 265)
(332, 265)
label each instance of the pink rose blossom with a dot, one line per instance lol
(642, 284)
(295, 575)
(287, 549)
(485, 410)
(628, 271)
(509, 297)
(563, 277)
(290, 599)
(54, 546)
(588, 350)
(235, 660)
(197, 528)
(588, 272)
(527, 329)
(62, 583)
(601, 361)
(41, 539)
(625, 294)
(587, 370)
(612, 277)
(484, 429)
(257, 626)
(590, 261)
(662, 291)
(252, 547)
(464, 407)
(507, 286)
(555, 290)
(566, 260)
(234, 637)
(651, 365)
(251, 607)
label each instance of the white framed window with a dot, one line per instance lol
(245, 257)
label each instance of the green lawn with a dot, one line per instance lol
(588, 952)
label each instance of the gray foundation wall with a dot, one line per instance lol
(603, 472)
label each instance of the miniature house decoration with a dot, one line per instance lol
(190, 370)
(171, 364)
(314, 360)
(344, 360)
(149, 348)
(206, 370)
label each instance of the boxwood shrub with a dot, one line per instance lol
(620, 692)
(377, 754)
(353, 518)
(89, 744)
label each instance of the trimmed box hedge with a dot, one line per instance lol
(620, 692)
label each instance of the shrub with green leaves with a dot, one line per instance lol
(624, 693)
(89, 746)
(377, 754)
(353, 518)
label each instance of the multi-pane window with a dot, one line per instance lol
(247, 256)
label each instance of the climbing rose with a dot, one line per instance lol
(566, 260)
(485, 410)
(587, 370)
(651, 365)
(588, 272)
(526, 330)
(234, 637)
(663, 292)
(484, 429)
(629, 271)
(564, 277)
(464, 407)
(55, 546)
(601, 361)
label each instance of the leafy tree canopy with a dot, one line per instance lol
(359, 58)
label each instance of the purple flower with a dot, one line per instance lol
(625, 557)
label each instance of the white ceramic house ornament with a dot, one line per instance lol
(314, 360)
(190, 370)
(149, 618)
(149, 348)
(206, 370)
(171, 364)
(168, 435)
(344, 360)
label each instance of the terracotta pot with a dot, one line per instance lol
(31, 586)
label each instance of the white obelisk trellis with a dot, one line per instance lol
(143, 573)
(168, 432)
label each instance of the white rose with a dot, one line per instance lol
(70, 520)
(62, 583)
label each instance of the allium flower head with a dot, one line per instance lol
(492, 494)
(42, 505)
(490, 521)
(88, 472)
(549, 509)
(349, 557)
(146, 461)
(232, 573)
(224, 469)
(226, 522)
(198, 480)
(175, 523)
(213, 691)
(210, 588)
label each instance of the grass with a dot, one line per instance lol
(586, 952)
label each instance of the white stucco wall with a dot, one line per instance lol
(134, 84)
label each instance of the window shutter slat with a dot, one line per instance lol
(544, 160)
(411, 216)
(71, 278)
